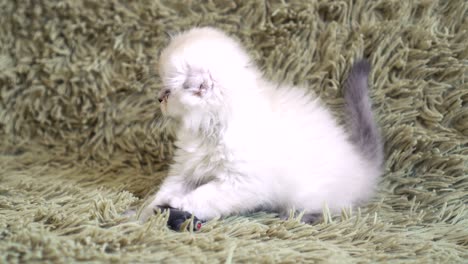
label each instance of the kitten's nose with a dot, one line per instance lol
(163, 95)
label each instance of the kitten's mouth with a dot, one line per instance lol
(163, 97)
(163, 100)
(163, 104)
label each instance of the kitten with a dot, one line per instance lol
(245, 143)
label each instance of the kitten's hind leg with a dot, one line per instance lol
(307, 218)
(312, 218)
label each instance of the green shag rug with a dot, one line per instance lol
(82, 139)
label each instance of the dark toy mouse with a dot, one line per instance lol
(178, 217)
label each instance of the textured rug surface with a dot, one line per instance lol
(82, 139)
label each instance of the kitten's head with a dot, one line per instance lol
(195, 69)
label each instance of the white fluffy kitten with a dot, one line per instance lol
(246, 144)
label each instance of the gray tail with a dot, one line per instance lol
(364, 132)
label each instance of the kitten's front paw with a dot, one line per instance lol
(162, 199)
(174, 202)
(167, 200)
(202, 211)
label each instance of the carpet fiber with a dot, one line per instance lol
(82, 139)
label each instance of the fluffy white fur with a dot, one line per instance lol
(245, 143)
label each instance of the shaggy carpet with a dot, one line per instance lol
(82, 139)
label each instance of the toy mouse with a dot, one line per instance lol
(178, 217)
